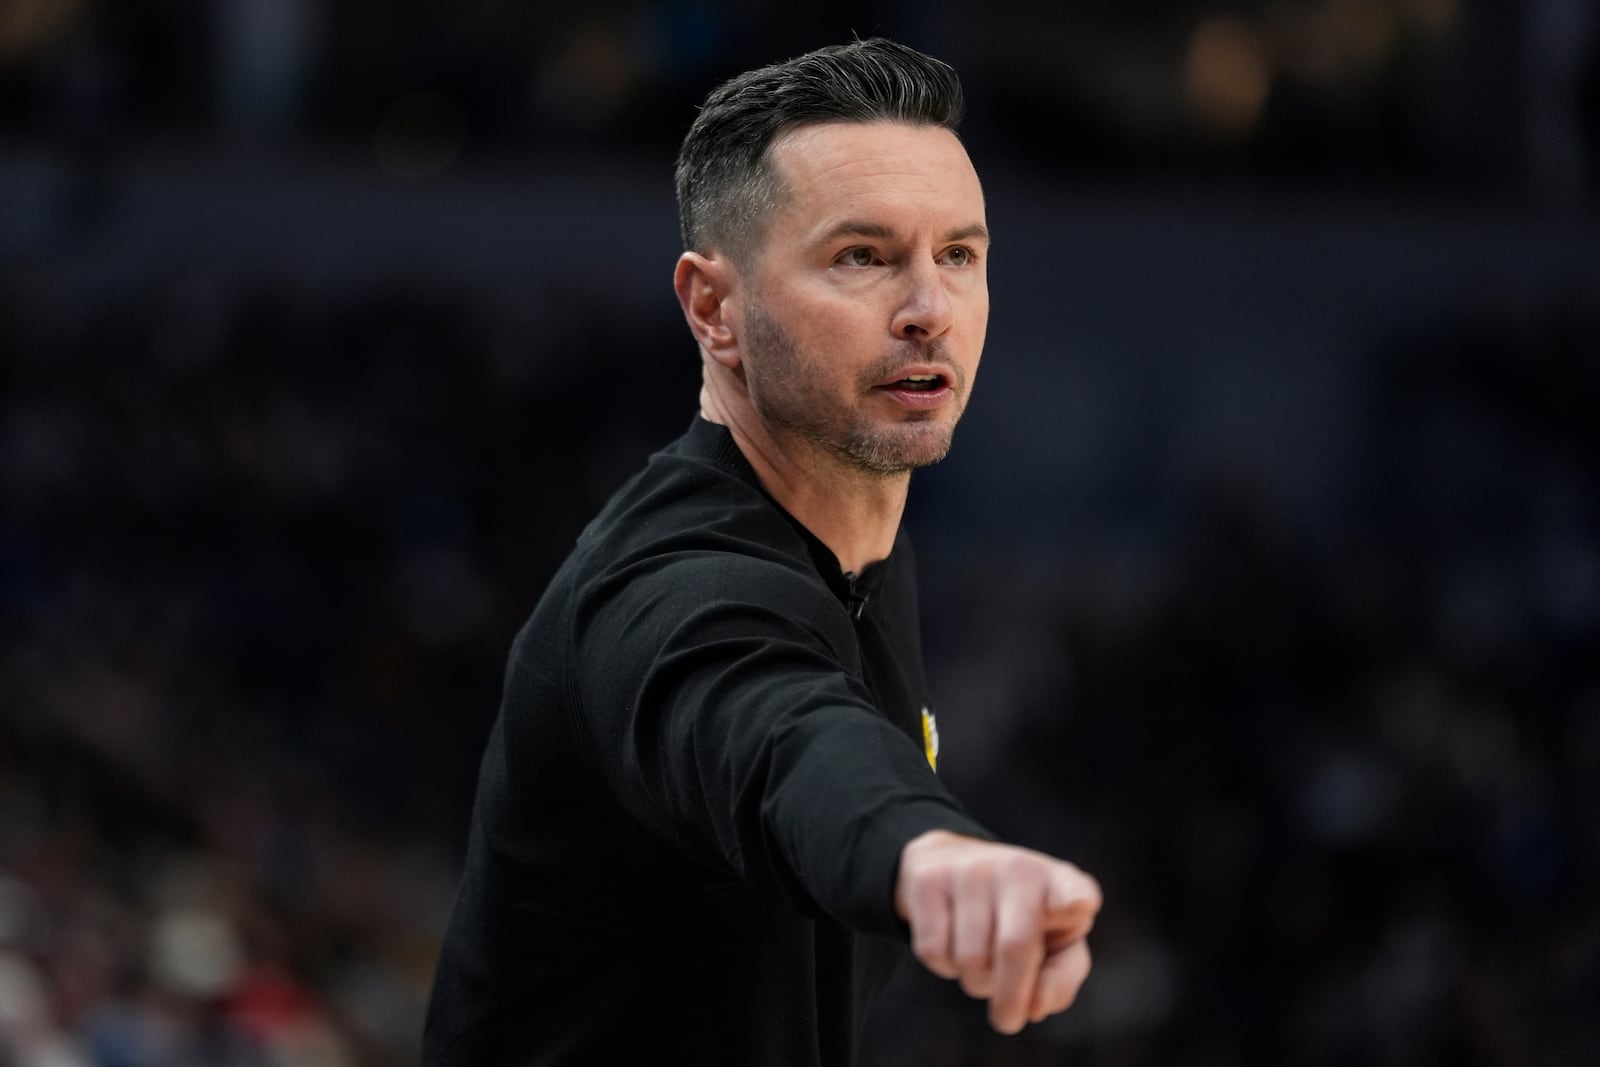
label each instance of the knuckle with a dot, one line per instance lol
(975, 985)
(975, 875)
(926, 877)
(1021, 868)
(928, 951)
(927, 892)
(972, 958)
(933, 953)
(1015, 943)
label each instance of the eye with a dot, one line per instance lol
(859, 256)
(961, 256)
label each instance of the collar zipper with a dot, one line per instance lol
(856, 598)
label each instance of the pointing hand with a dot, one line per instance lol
(1008, 922)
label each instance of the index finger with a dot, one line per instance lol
(1019, 952)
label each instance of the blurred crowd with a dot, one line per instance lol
(261, 562)
(1341, 779)
(265, 541)
(262, 559)
(1379, 92)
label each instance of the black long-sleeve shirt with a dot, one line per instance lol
(690, 813)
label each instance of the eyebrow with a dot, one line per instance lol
(857, 228)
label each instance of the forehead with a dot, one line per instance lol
(874, 170)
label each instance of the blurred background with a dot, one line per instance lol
(1264, 581)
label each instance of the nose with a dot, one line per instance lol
(925, 311)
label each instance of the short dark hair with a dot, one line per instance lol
(726, 183)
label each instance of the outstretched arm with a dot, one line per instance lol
(1008, 922)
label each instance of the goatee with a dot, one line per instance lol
(788, 390)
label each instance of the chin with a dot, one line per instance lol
(897, 451)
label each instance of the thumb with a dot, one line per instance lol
(1072, 901)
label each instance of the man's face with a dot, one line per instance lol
(865, 308)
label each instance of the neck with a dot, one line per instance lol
(855, 513)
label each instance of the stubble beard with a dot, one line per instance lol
(789, 392)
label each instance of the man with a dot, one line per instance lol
(708, 819)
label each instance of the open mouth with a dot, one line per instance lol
(924, 389)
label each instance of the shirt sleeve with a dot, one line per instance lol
(717, 697)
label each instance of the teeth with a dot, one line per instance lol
(922, 377)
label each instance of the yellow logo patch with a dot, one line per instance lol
(930, 738)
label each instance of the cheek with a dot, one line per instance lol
(976, 323)
(838, 332)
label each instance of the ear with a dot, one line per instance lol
(704, 285)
